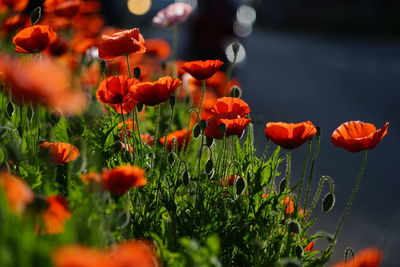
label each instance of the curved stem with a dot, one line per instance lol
(315, 156)
(129, 66)
(303, 174)
(353, 195)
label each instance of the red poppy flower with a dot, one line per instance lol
(154, 93)
(41, 82)
(233, 124)
(55, 215)
(34, 39)
(14, 22)
(115, 91)
(290, 135)
(357, 135)
(135, 253)
(369, 257)
(62, 8)
(58, 47)
(202, 70)
(15, 5)
(178, 138)
(158, 48)
(121, 43)
(60, 152)
(122, 178)
(147, 138)
(231, 105)
(81, 256)
(18, 193)
(91, 177)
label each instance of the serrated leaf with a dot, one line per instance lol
(239, 185)
(328, 202)
(60, 131)
(196, 131)
(36, 15)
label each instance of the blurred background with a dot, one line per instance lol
(326, 61)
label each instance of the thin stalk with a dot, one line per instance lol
(155, 139)
(315, 156)
(303, 174)
(288, 167)
(128, 64)
(353, 194)
(203, 92)
(135, 115)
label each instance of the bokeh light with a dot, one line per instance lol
(139, 7)
(246, 15)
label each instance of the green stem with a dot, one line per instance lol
(353, 194)
(288, 168)
(303, 174)
(315, 156)
(128, 64)
(203, 92)
(155, 139)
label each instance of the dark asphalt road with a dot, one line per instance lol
(329, 80)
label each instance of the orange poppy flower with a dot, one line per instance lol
(202, 70)
(91, 177)
(231, 105)
(81, 256)
(147, 138)
(289, 206)
(290, 135)
(17, 192)
(229, 180)
(60, 153)
(15, 5)
(369, 257)
(91, 6)
(121, 44)
(135, 253)
(115, 91)
(122, 178)
(55, 215)
(62, 8)
(357, 135)
(34, 39)
(158, 48)
(179, 139)
(41, 82)
(154, 93)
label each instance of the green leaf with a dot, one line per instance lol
(328, 202)
(36, 15)
(60, 131)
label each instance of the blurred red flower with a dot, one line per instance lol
(60, 153)
(135, 253)
(357, 135)
(121, 43)
(154, 93)
(55, 215)
(81, 256)
(18, 193)
(158, 48)
(202, 70)
(122, 178)
(14, 5)
(34, 39)
(115, 91)
(290, 135)
(179, 139)
(369, 257)
(62, 8)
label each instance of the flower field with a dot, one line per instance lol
(115, 153)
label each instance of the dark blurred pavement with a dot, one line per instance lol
(328, 80)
